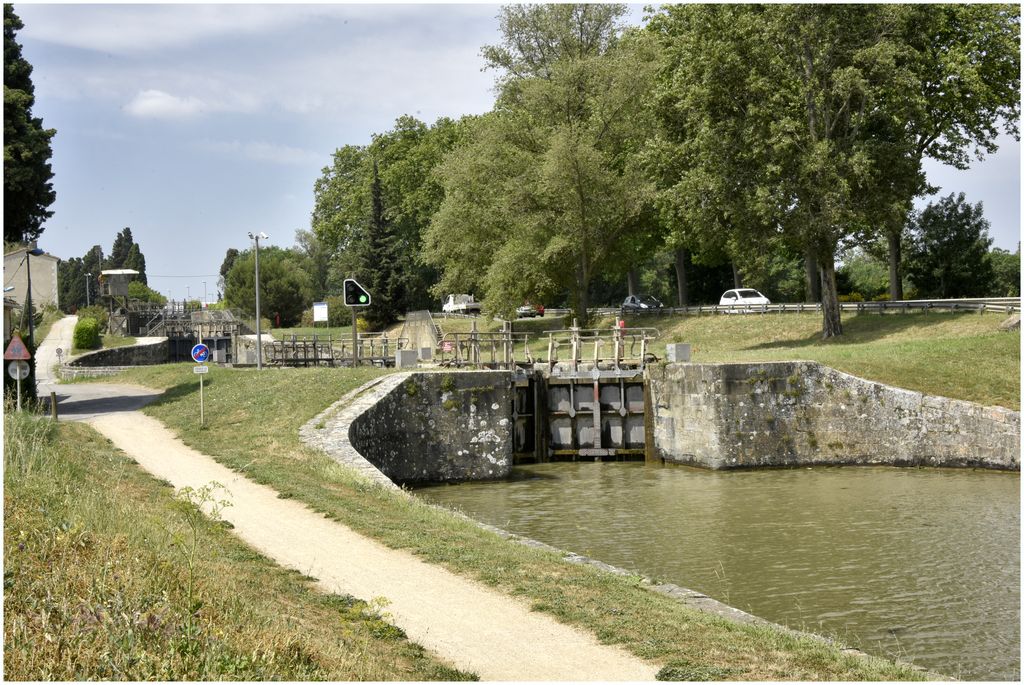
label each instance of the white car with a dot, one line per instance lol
(743, 299)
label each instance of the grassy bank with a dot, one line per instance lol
(249, 432)
(963, 356)
(97, 579)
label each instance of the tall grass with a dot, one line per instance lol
(97, 584)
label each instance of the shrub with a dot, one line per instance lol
(884, 297)
(95, 311)
(852, 297)
(87, 333)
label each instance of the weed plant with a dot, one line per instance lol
(108, 577)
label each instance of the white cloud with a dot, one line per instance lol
(124, 29)
(156, 104)
(261, 151)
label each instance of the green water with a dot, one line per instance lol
(923, 564)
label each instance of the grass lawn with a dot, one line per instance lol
(96, 583)
(248, 432)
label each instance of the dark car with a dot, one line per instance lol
(641, 303)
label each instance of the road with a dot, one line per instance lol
(463, 622)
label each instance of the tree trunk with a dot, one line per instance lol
(582, 286)
(736, 282)
(633, 282)
(895, 264)
(812, 278)
(832, 325)
(682, 294)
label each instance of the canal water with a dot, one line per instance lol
(921, 564)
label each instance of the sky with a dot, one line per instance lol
(196, 124)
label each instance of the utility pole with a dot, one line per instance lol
(88, 279)
(259, 338)
(35, 252)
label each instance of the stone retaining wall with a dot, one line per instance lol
(156, 352)
(440, 427)
(723, 416)
(421, 427)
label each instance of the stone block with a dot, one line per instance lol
(426, 354)
(677, 352)
(405, 359)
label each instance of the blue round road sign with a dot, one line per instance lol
(200, 353)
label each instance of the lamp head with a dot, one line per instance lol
(36, 252)
(251, 236)
(263, 235)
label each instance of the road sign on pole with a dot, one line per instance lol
(355, 294)
(200, 353)
(18, 370)
(16, 349)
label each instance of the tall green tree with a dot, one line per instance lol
(225, 267)
(409, 194)
(1006, 266)
(285, 289)
(28, 190)
(77, 274)
(136, 260)
(960, 84)
(776, 111)
(71, 284)
(948, 255)
(119, 251)
(548, 194)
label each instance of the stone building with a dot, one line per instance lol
(44, 277)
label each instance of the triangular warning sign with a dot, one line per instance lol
(16, 349)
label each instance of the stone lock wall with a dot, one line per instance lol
(130, 355)
(723, 416)
(436, 427)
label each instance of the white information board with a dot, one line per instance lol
(319, 311)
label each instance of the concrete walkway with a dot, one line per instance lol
(60, 337)
(461, 621)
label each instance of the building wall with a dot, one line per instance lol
(44, 278)
(724, 416)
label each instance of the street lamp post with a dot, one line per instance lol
(204, 292)
(28, 297)
(88, 278)
(259, 337)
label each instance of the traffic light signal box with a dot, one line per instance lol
(355, 294)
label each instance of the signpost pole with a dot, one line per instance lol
(355, 339)
(19, 392)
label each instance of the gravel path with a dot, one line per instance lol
(463, 622)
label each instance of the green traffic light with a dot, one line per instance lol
(362, 298)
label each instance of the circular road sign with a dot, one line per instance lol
(200, 353)
(18, 370)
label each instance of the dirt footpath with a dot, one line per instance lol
(471, 626)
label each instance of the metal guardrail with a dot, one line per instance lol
(1007, 305)
(1004, 305)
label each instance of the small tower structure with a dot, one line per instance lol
(114, 287)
